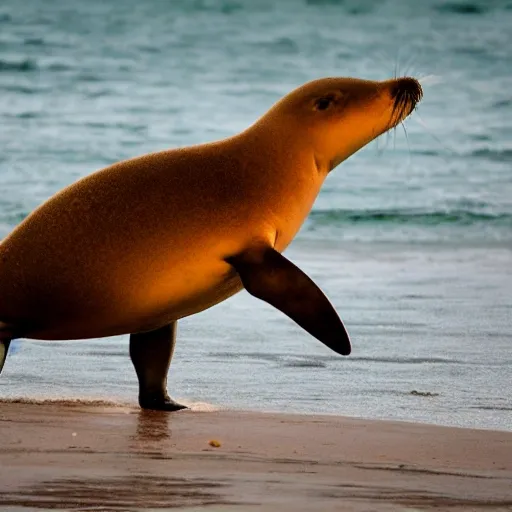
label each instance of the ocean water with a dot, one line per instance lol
(411, 238)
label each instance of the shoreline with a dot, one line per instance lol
(78, 457)
(204, 407)
(200, 407)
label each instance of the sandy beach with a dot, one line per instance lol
(61, 457)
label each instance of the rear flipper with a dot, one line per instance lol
(6, 336)
(4, 348)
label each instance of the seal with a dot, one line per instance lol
(134, 247)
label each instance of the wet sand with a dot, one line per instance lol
(62, 457)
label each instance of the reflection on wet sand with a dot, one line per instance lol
(153, 426)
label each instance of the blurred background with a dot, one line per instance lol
(411, 238)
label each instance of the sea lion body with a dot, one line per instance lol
(143, 242)
(138, 245)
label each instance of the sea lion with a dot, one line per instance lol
(142, 243)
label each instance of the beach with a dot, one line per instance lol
(58, 456)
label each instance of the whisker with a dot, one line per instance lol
(392, 116)
(397, 62)
(408, 65)
(407, 140)
(422, 123)
(377, 146)
(399, 111)
(404, 103)
(430, 79)
(384, 56)
(396, 112)
(382, 148)
(414, 98)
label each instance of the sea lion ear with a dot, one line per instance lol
(269, 276)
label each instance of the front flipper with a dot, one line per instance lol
(151, 354)
(269, 276)
(4, 348)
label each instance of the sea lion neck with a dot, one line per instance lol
(280, 140)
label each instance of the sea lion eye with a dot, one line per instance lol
(323, 103)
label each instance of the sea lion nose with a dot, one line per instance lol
(408, 87)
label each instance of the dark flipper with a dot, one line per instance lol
(151, 354)
(6, 335)
(4, 348)
(269, 276)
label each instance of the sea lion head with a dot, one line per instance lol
(338, 116)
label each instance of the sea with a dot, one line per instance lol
(410, 238)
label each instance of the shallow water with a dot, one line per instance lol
(411, 238)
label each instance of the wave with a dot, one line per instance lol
(98, 402)
(21, 66)
(411, 216)
(324, 2)
(462, 8)
(22, 89)
(502, 103)
(34, 41)
(406, 360)
(321, 361)
(59, 66)
(496, 155)
(201, 406)
(305, 364)
(491, 408)
(500, 155)
(405, 224)
(64, 402)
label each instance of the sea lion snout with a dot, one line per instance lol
(407, 86)
(406, 93)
